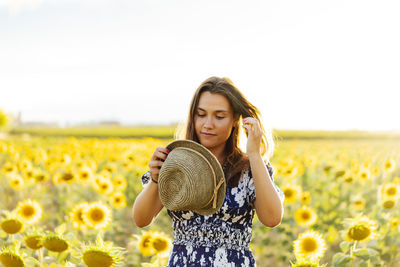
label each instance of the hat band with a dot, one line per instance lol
(216, 187)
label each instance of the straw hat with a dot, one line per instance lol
(191, 178)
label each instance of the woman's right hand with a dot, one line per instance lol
(157, 160)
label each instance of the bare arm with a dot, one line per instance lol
(147, 204)
(269, 207)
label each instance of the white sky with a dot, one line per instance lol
(311, 64)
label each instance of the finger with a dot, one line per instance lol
(155, 164)
(247, 127)
(163, 150)
(160, 155)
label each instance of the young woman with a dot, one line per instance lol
(217, 114)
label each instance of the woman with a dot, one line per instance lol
(221, 239)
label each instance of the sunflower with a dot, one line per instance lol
(394, 222)
(40, 177)
(11, 259)
(25, 164)
(119, 182)
(305, 198)
(34, 241)
(85, 175)
(118, 200)
(29, 211)
(306, 216)
(161, 243)
(361, 229)
(358, 204)
(64, 159)
(29, 174)
(289, 172)
(364, 175)
(111, 168)
(102, 254)
(349, 177)
(375, 171)
(76, 216)
(388, 203)
(103, 186)
(16, 181)
(292, 193)
(145, 245)
(309, 245)
(391, 190)
(9, 169)
(96, 215)
(11, 226)
(66, 176)
(55, 243)
(389, 165)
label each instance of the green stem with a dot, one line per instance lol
(40, 256)
(352, 248)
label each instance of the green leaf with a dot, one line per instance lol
(362, 253)
(340, 259)
(344, 246)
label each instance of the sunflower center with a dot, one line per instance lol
(11, 226)
(34, 242)
(40, 177)
(97, 259)
(97, 215)
(305, 215)
(391, 191)
(28, 211)
(11, 260)
(160, 244)
(146, 242)
(55, 244)
(359, 232)
(288, 193)
(388, 204)
(309, 245)
(67, 176)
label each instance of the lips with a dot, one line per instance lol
(208, 134)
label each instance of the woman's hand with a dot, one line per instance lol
(157, 160)
(254, 135)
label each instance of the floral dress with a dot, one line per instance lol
(220, 239)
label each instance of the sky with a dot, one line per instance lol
(307, 65)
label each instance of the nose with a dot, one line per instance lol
(208, 123)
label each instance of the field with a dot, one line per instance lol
(66, 197)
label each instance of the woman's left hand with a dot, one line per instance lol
(254, 135)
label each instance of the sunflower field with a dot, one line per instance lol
(66, 201)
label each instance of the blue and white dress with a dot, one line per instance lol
(221, 239)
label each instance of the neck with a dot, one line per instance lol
(219, 153)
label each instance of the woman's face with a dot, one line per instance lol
(213, 120)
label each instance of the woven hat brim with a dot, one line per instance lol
(208, 210)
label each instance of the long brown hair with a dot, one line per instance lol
(236, 159)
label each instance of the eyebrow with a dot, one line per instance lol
(217, 111)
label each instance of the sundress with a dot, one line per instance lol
(220, 239)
